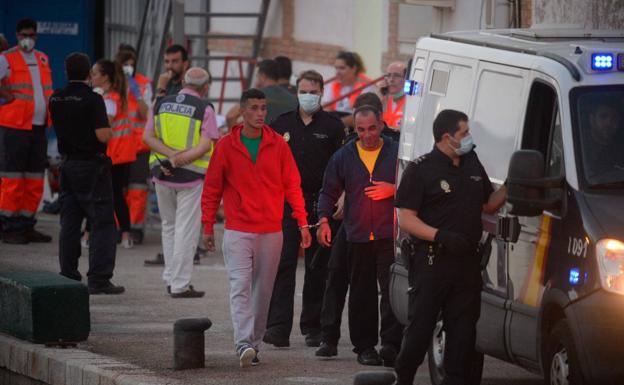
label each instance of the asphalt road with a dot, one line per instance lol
(136, 327)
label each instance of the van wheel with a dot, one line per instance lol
(561, 364)
(435, 359)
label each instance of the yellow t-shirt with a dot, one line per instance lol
(368, 157)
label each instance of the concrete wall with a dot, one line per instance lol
(603, 14)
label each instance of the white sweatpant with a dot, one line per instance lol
(180, 216)
(251, 260)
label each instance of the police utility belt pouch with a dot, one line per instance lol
(412, 249)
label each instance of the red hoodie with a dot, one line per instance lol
(253, 194)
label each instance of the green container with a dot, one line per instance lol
(44, 307)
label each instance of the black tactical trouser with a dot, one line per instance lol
(87, 192)
(451, 285)
(369, 266)
(280, 320)
(336, 288)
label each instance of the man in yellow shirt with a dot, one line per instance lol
(365, 169)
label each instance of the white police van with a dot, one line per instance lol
(546, 111)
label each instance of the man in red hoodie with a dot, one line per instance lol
(253, 169)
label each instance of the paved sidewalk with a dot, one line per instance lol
(136, 328)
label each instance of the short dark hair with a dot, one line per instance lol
(365, 109)
(77, 66)
(124, 55)
(27, 23)
(284, 67)
(127, 47)
(269, 68)
(447, 122)
(175, 49)
(311, 75)
(368, 98)
(252, 93)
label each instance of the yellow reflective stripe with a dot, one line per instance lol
(23, 96)
(48, 88)
(33, 175)
(11, 174)
(138, 186)
(124, 132)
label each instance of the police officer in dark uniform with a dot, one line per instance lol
(313, 136)
(79, 118)
(440, 198)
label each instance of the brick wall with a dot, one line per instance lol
(526, 13)
(311, 52)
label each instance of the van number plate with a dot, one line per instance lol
(577, 247)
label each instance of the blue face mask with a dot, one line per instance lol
(465, 145)
(309, 102)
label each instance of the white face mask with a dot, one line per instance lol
(309, 102)
(27, 44)
(128, 69)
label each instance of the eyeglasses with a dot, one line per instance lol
(27, 34)
(393, 76)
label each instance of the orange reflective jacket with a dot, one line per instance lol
(393, 117)
(122, 146)
(133, 112)
(337, 91)
(19, 113)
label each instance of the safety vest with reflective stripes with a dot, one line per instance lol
(337, 90)
(177, 123)
(19, 113)
(393, 116)
(122, 146)
(133, 112)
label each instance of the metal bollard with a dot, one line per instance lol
(188, 342)
(374, 378)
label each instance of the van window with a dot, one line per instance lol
(439, 82)
(598, 123)
(496, 118)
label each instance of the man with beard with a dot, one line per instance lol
(176, 64)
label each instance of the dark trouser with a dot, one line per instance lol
(22, 165)
(335, 289)
(280, 318)
(451, 285)
(86, 192)
(121, 173)
(369, 263)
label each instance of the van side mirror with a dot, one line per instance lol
(526, 184)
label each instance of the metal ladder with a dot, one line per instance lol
(205, 16)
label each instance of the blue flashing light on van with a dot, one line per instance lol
(602, 61)
(575, 275)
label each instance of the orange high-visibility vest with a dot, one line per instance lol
(337, 90)
(19, 113)
(133, 112)
(393, 117)
(122, 146)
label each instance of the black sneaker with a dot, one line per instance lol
(189, 293)
(35, 236)
(108, 288)
(326, 350)
(196, 258)
(168, 289)
(313, 340)
(15, 238)
(388, 355)
(159, 260)
(275, 339)
(369, 357)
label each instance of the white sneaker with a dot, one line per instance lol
(247, 354)
(127, 243)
